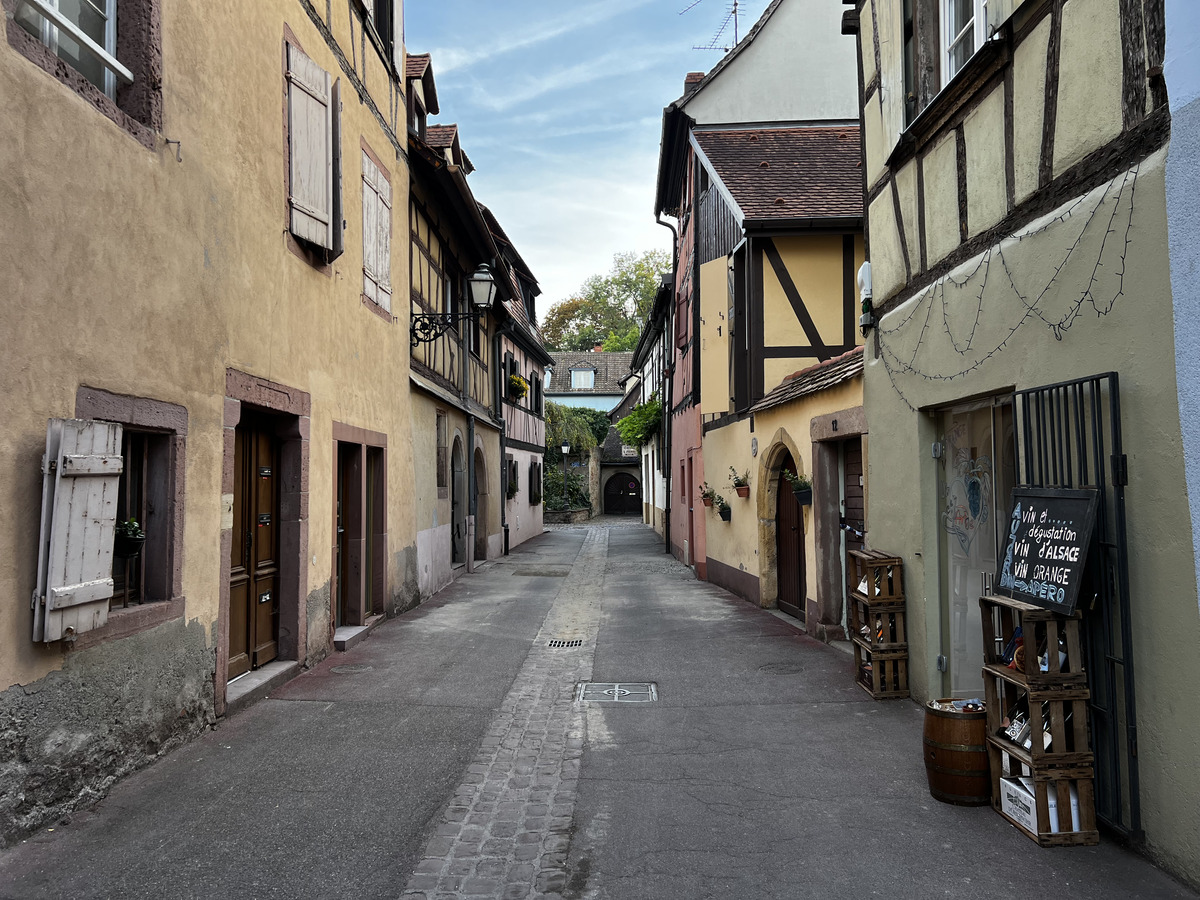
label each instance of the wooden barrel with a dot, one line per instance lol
(956, 758)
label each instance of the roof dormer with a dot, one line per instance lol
(420, 91)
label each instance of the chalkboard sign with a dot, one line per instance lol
(1048, 539)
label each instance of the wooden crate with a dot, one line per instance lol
(1064, 785)
(880, 624)
(878, 576)
(1041, 630)
(881, 673)
(1060, 717)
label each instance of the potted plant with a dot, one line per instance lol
(741, 483)
(707, 494)
(518, 387)
(723, 509)
(801, 487)
(128, 540)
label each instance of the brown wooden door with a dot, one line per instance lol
(854, 510)
(254, 555)
(789, 545)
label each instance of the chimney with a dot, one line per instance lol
(599, 348)
(690, 81)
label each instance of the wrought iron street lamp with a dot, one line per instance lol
(566, 448)
(429, 326)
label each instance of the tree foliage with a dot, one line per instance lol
(608, 309)
(642, 423)
(574, 496)
(574, 424)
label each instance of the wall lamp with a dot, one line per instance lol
(430, 326)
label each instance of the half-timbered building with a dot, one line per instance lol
(759, 168)
(1015, 158)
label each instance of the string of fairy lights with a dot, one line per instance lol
(899, 362)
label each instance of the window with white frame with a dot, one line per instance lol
(583, 379)
(964, 30)
(377, 234)
(82, 33)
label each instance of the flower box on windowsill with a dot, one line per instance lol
(803, 496)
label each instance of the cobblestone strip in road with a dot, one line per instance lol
(506, 831)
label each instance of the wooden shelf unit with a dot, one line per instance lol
(1055, 702)
(877, 626)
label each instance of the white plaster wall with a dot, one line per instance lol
(1182, 70)
(798, 68)
(433, 559)
(524, 519)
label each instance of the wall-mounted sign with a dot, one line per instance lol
(1048, 538)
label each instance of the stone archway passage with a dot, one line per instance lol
(623, 495)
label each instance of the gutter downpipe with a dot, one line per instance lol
(499, 391)
(668, 384)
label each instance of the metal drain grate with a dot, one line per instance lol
(617, 692)
(557, 645)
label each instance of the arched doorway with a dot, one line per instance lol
(623, 495)
(789, 543)
(480, 505)
(458, 512)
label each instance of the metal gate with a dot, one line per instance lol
(1069, 435)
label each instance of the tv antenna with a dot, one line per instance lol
(731, 16)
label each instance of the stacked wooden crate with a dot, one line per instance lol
(1042, 767)
(877, 627)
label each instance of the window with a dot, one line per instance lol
(583, 379)
(535, 483)
(377, 234)
(107, 51)
(82, 33)
(443, 459)
(314, 156)
(535, 383)
(387, 21)
(964, 29)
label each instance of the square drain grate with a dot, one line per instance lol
(617, 692)
(558, 645)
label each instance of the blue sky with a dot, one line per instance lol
(559, 105)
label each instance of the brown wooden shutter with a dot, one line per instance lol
(338, 232)
(81, 474)
(310, 135)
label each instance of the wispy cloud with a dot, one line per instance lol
(448, 59)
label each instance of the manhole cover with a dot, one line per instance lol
(781, 669)
(617, 692)
(350, 669)
(542, 573)
(558, 645)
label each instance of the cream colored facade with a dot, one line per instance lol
(165, 258)
(1018, 239)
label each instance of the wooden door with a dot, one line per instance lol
(789, 545)
(854, 510)
(254, 555)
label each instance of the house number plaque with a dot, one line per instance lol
(264, 471)
(264, 519)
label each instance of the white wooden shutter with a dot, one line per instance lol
(999, 12)
(81, 475)
(310, 134)
(377, 234)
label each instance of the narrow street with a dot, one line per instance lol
(446, 756)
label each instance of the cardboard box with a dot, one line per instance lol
(1018, 803)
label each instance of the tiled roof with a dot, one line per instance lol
(610, 369)
(415, 65)
(612, 450)
(813, 379)
(441, 136)
(789, 173)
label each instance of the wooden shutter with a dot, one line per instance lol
(377, 234)
(999, 12)
(338, 232)
(81, 475)
(310, 135)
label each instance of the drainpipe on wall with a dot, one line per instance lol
(665, 460)
(498, 379)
